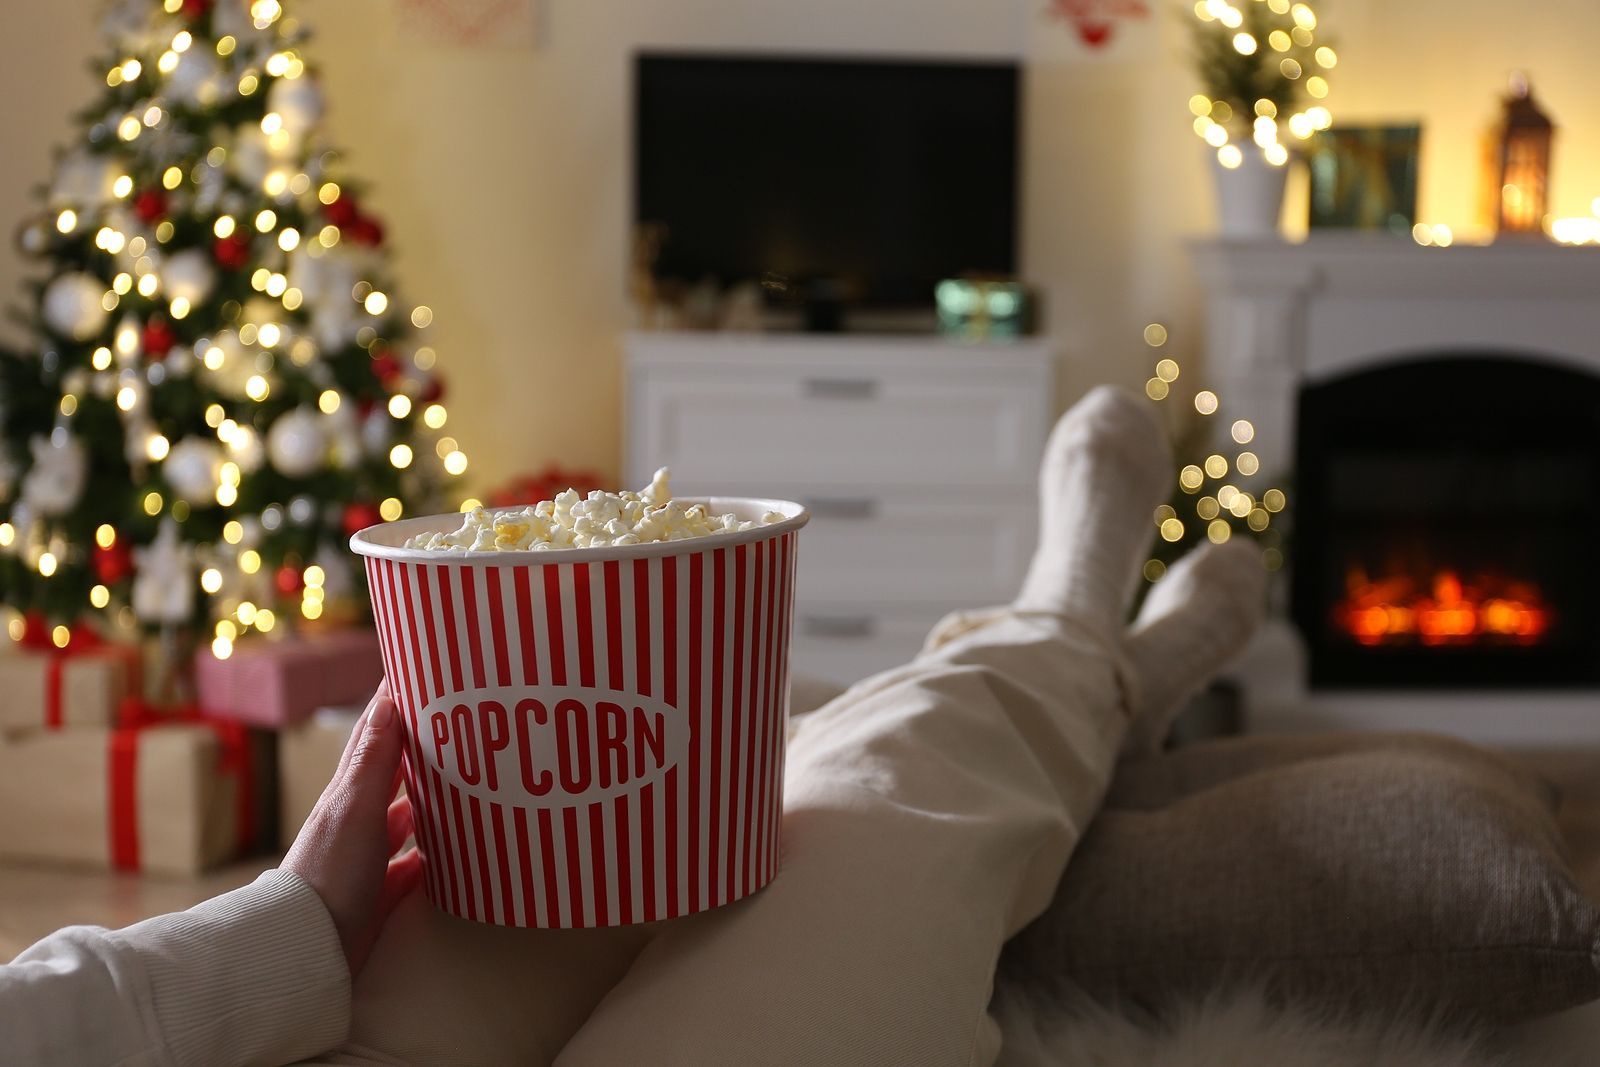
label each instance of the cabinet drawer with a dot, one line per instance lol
(843, 646)
(770, 425)
(922, 549)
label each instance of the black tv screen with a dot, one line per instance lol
(873, 178)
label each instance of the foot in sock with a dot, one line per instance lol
(1194, 621)
(1105, 469)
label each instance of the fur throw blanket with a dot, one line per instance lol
(1063, 1028)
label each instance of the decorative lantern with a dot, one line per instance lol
(1525, 136)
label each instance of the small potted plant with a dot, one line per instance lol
(1263, 76)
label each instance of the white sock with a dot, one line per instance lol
(1105, 469)
(1197, 618)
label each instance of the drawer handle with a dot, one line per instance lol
(841, 388)
(843, 507)
(838, 626)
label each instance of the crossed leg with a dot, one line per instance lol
(930, 810)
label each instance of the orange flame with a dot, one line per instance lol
(1449, 611)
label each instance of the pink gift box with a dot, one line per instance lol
(277, 683)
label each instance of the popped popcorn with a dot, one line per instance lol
(598, 520)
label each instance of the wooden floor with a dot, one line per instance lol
(37, 900)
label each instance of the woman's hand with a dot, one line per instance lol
(346, 850)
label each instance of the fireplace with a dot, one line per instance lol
(1447, 509)
(1435, 416)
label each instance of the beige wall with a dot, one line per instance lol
(504, 173)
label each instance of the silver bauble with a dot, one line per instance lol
(71, 305)
(296, 445)
(193, 468)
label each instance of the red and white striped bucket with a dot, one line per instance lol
(595, 737)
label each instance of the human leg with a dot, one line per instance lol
(928, 815)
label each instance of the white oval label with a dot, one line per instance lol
(551, 746)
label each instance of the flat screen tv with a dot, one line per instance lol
(859, 181)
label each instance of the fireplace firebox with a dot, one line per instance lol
(1447, 515)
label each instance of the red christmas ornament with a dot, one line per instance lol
(385, 366)
(193, 9)
(359, 515)
(112, 565)
(433, 391)
(343, 211)
(158, 339)
(289, 580)
(366, 230)
(150, 205)
(232, 251)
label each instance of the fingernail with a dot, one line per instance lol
(382, 713)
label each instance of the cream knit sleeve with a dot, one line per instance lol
(255, 976)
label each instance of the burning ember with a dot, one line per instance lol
(1448, 611)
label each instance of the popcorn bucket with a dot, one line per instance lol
(594, 737)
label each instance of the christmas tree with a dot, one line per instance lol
(222, 384)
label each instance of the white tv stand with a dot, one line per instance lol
(916, 454)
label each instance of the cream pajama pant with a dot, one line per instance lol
(928, 814)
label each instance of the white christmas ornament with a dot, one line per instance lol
(163, 584)
(82, 180)
(72, 307)
(251, 157)
(337, 580)
(193, 468)
(189, 276)
(299, 101)
(375, 433)
(245, 449)
(296, 444)
(194, 80)
(228, 366)
(60, 468)
(344, 436)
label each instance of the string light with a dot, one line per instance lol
(400, 456)
(153, 503)
(376, 303)
(391, 509)
(8, 534)
(250, 562)
(265, 620)
(156, 447)
(456, 463)
(211, 579)
(329, 401)
(60, 636)
(47, 563)
(233, 531)
(399, 405)
(434, 416)
(1288, 32)
(222, 648)
(224, 226)
(99, 596)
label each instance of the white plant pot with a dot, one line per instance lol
(1250, 196)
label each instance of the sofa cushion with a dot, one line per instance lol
(1358, 871)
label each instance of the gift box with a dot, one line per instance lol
(174, 798)
(276, 683)
(55, 688)
(308, 754)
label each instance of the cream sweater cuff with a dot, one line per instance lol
(253, 976)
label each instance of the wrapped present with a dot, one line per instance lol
(160, 797)
(276, 683)
(77, 686)
(308, 754)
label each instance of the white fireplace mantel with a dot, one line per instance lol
(1281, 315)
